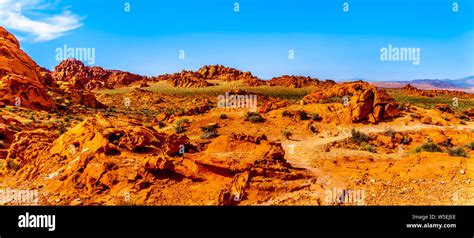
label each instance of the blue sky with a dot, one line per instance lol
(327, 42)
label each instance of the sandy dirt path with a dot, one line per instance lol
(302, 153)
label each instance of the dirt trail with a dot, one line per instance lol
(301, 154)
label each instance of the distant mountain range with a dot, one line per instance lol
(462, 84)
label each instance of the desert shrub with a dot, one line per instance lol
(415, 115)
(303, 115)
(401, 107)
(287, 134)
(429, 147)
(368, 147)
(458, 152)
(470, 145)
(330, 100)
(170, 111)
(181, 121)
(223, 116)
(316, 117)
(447, 143)
(389, 132)
(61, 129)
(179, 112)
(31, 117)
(254, 117)
(209, 131)
(179, 129)
(313, 129)
(405, 140)
(462, 122)
(359, 137)
(209, 135)
(161, 124)
(13, 165)
(10, 109)
(286, 113)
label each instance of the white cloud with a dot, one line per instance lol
(37, 20)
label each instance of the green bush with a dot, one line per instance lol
(415, 115)
(447, 143)
(287, 134)
(313, 129)
(13, 165)
(254, 117)
(209, 135)
(179, 129)
(389, 132)
(470, 145)
(303, 115)
(429, 147)
(181, 121)
(359, 137)
(458, 152)
(405, 140)
(61, 129)
(209, 131)
(10, 109)
(286, 113)
(368, 147)
(316, 117)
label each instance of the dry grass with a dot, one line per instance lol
(429, 103)
(166, 88)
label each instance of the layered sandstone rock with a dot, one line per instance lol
(185, 79)
(79, 96)
(99, 159)
(201, 77)
(219, 72)
(366, 102)
(410, 90)
(244, 158)
(298, 82)
(20, 78)
(92, 78)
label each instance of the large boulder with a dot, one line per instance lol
(366, 102)
(20, 77)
